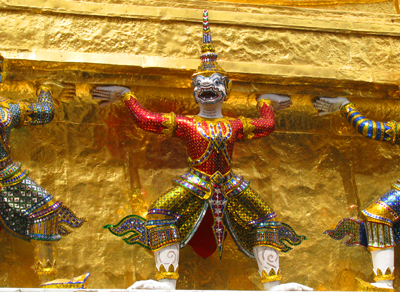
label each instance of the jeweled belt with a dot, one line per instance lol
(216, 177)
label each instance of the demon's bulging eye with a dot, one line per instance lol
(217, 82)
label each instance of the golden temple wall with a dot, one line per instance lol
(313, 170)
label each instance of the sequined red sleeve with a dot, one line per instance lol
(150, 121)
(257, 128)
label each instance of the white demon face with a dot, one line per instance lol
(209, 90)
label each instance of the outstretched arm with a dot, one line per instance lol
(265, 125)
(144, 119)
(384, 131)
(38, 113)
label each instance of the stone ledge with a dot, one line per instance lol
(237, 69)
(272, 17)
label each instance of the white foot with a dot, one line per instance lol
(383, 285)
(152, 285)
(291, 287)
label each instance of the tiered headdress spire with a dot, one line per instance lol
(208, 56)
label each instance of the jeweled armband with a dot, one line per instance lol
(388, 131)
(248, 128)
(24, 113)
(169, 124)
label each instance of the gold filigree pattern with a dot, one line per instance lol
(272, 276)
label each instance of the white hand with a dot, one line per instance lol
(108, 94)
(291, 287)
(327, 105)
(152, 285)
(279, 102)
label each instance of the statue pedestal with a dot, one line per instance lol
(110, 290)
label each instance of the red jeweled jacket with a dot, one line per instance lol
(209, 142)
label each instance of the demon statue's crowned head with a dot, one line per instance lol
(211, 85)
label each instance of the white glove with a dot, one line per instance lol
(327, 105)
(279, 102)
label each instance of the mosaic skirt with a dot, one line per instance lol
(30, 212)
(177, 214)
(379, 228)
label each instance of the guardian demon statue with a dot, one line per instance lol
(209, 199)
(28, 211)
(379, 230)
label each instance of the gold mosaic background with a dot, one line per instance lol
(313, 170)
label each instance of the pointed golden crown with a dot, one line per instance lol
(208, 56)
